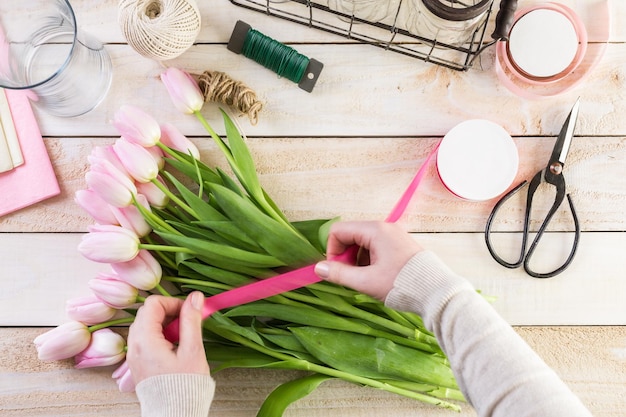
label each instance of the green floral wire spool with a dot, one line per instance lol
(278, 57)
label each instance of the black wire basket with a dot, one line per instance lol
(390, 32)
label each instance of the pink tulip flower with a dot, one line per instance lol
(95, 206)
(157, 154)
(110, 184)
(62, 342)
(123, 378)
(156, 198)
(143, 272)
(131, 218)
(109, 244)
(113, 291)
(174, 139)
(89, 310)
(106, 348)
(106, 153)
(137, 126)
(183, 90)
(138, 162)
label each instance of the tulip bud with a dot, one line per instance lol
(109, 244)
(106, 348)
(174, 139)
(110, 184)
(138, 162)
(106, 153)
(183, 90)
(137, 126)
(157, 154)
(113, 291)
(153, 194)
(123, 378)
(143, 272)
(89, 310)
(131, 218)
(62, 342)
(95, 206)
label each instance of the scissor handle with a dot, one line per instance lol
(533, 245)
(524, 257)
(490, 221)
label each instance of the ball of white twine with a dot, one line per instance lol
(159, 29)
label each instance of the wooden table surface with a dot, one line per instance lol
(348, 149)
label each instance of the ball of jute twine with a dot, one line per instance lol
(220, 87)
(159, 29)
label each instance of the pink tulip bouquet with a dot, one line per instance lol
(169, 224)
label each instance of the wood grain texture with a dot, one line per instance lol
(362, 178)
(347, 149)
(591, 360)
(590, 292)
(418, 100)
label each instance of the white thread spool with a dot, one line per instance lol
(159, 29)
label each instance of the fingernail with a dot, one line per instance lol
(197, 300)
(322, 269)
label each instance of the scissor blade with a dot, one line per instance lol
(563, 142)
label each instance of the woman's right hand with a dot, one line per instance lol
(384, 250)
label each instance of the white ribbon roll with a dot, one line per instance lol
(477, 160)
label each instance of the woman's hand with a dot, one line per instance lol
(384, 250)
(150, 354)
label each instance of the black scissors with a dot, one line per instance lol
(551, 174)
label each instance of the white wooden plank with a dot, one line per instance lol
(590, 292)
(362, 178)
(99, 17)
(39, 273)
(591, 360)
(419, 100)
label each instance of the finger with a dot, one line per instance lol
(340, 273)
(190, 343)
(345, 234)
(151, 317)
(341, 236)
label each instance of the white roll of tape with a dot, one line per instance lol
(477, 160)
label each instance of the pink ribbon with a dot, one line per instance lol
(297, 278)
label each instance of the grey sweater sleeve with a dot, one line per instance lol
(176, 395)
(499, 374)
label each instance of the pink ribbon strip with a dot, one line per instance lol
(297, 278)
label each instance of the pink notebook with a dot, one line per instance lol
(34, 180)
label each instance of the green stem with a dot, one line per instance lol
(162, 290)
(260, 199)
(200, 179)
(304, 365)
(165, 248)
(175, 198)
(411, 334)
(110, 323)
(198, 282)
(140, 299)
(169, 152)
(152, 218)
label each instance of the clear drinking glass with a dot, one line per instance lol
(43, 50)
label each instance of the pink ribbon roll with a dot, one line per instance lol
(297, 278)
(592, 40)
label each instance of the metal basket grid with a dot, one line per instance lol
(387, 34)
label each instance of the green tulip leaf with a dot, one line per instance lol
(284, 395)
